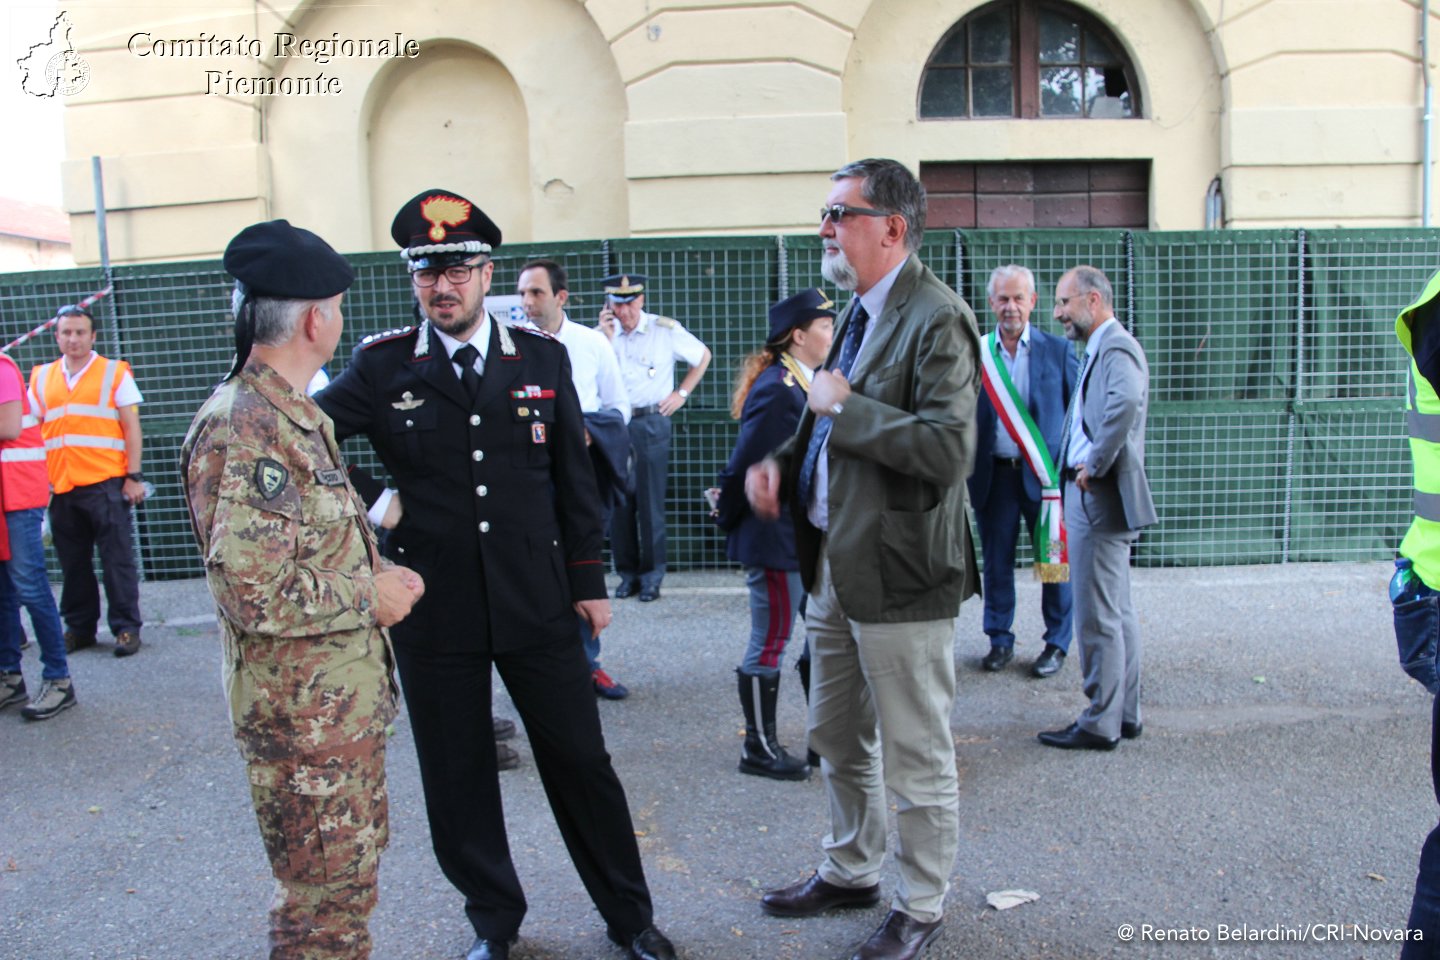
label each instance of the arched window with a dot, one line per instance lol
(1028, 59)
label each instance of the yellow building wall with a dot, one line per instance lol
(611, 118)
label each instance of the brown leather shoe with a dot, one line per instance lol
(127, 644)
(812, 896)
(900, 937)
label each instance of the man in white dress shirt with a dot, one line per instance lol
(543, 289)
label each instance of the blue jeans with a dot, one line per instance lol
(25, 583)
(774, 600)
(1417, 637)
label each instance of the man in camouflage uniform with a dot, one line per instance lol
(302, 596)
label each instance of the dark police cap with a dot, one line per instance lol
(624, 287)
(793, 311)
(437, 228)
(274, 259)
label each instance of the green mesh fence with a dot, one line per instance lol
(1276, 429)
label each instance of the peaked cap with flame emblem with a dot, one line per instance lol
(793, 311)
(437, 228)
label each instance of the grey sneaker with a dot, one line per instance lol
(55, 695)
(12, 689)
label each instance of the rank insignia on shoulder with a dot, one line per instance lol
(384, 335)
(330, 477)
(271, 477)
(664, 322)
(537, 433)
(407, 401)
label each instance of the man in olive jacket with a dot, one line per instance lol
(875, 479)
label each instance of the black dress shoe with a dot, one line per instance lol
(648, 594)
(483, 949)
(1131, 731)
(505, 757)
(627, 588)
(997, 658)
(504, 729)
(1074, 738)
(648, 944)
(900, 937)
(1051, 659)
(812, 896)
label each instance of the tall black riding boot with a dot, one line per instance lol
(762, 756)
(802, 667)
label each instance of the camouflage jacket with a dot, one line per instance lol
(290, 560)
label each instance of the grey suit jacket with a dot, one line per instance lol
(899, 540)
(1114, 399)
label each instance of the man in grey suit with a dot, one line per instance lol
(1107, 502)
(875, 480)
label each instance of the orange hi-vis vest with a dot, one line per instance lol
(84, 444)
(24, 479)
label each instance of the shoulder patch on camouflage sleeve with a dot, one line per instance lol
(271, 477)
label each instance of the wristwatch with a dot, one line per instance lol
(137, 477)
(684, 394)
(836, 409)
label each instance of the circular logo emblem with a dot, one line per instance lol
(67, 73)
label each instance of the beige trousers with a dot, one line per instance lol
(880, 704)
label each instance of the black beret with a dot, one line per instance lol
(274, 259)
(624, 287)
(439, 227)
(793, 311)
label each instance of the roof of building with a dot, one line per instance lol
(34, 221)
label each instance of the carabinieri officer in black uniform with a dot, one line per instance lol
(479, 426)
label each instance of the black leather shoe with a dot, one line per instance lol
(504, 729)
(1131, 731)
(648, 944)
(1074, 738)
(627, 588)
(900, 937)
(997, 658)
(483, 949)
(648, 594)
(505, 757)
(1051, 659)
(812, 896)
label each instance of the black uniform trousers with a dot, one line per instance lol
(449, 701)
(82, 519)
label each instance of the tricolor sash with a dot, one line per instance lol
(1052, 556)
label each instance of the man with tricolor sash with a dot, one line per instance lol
(1028, 376)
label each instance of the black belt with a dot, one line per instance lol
(1012, 462)
(654, 408)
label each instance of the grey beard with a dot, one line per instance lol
(837, 269)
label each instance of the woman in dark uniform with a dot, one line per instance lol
(769, 396)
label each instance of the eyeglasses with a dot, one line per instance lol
(1061, 301)
(838, 211)
(457, 274)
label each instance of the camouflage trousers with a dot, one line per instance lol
(323, 819)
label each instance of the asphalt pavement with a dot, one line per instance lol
(1280, 793)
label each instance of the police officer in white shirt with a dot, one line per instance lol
(647, 346)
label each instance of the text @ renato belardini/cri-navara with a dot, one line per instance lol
(1326, 932)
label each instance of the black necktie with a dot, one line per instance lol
(469, 379)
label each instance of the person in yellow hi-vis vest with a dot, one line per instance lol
(89, 411)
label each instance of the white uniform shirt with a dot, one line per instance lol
(647, 357)
(594, 368)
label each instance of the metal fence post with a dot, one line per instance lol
(1292, 419)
